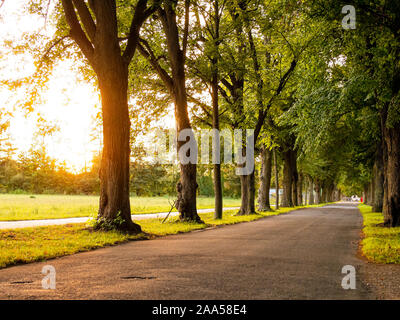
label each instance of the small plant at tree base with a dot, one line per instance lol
(107, 224)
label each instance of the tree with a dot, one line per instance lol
(176, 86)
(94, 28)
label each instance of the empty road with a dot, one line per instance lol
(299, 255)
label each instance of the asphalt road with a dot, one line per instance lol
(299, 255)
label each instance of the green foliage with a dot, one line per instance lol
(107, 224)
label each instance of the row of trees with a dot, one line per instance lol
(35, 172)
(321, 98)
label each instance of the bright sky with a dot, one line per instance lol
(69, 104)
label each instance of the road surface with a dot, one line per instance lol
(299, 255)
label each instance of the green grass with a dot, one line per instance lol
(42, 243)
(380, 244)
(33, 207)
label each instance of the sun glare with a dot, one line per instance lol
(68, 104)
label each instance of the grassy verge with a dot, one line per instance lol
(34, 207)
(380, 244)
(42, 243)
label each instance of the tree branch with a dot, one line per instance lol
(145, 50)
(76, 31)
(186, 30)
(139, 17)
(86, 18)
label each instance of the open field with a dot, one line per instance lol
(380, 244)
(34, 207)
(42, 243)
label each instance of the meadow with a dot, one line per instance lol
(379, 244)
(33, 207)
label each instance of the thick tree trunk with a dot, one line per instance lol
(330, 192)
(300, 190)
(365, 194)
(317, 189)
(265, 180)
(295, 179)
(391, 138)
(287, 200)
(247, 195)
(187, 184)
(311, 197)
(276, 180)
(114, 170)
(305, 190)
(378, 179)
(372, 192)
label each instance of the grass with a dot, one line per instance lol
(34, 207)
(380, 244)
(42, 243)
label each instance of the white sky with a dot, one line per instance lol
(68, 103)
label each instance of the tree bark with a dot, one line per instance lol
(317, 189)
(114, 169)
(276, 180)
(215, 115)
(311, 197)
(265, 180)
(378, 179)
(287, 200)
(391, 136)
(247, 195)
(365, 194)
(300, 190)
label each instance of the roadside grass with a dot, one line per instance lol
(380, 244)
(35, 207)
(26, 245)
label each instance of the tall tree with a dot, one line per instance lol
(175, 82)
(94, 27)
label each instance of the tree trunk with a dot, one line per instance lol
(247, 195)
(372, 191)
(215, 115)
(365, 194)
(305, 191)
(295, 179)
(300, 190)
(187, 185)
(378, 179)
(287, 180)
(98, 40)
(317, 188)
(265, 180)
(114, 169)
(276, 180)
(311, 197)
(391, 138)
